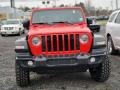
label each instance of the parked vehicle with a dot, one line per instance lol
(12, 26)
(113, 32)
(106, 17)
(59, 41)
(102, 17)
(0, 25)
(94, 26)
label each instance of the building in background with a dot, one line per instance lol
(8, 13)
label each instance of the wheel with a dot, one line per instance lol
(110, 46)
(102, 72)
(22, 76)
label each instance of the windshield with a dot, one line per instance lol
(51, 16)
(12, 22)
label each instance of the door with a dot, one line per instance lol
(117, 31)
(110, 27)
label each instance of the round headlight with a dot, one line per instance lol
(36, 41)
(84, 39)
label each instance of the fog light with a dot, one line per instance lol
(92, 60)
(30, 63)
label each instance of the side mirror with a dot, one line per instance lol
(26, 24)
(93, 27)
(89, 22)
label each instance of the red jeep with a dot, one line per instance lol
(60, 41)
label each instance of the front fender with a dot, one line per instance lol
(99, 42)
(21, 45)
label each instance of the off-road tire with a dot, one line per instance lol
(22, 76)
(102, 72)
(113, 51)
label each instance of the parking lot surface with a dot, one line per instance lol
(69, 81)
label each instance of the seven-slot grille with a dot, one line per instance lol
(64, 42)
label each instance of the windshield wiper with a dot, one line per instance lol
(63, 22)
(42, 23)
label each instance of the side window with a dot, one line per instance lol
(112, 17)
(118, 19)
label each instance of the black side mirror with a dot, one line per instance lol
(92, 27)
(26, 24)
(89, 21)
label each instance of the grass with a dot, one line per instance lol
(102, 22)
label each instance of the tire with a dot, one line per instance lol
(22, 76)
(110, 46)
(102, 72)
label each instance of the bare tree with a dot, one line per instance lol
(82, 5)
(116, 4)
(88, 6)
(62, 5)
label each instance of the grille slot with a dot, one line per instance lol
(49, 44)
(54, 43)
(71, 41)
(60, 42)
(65, 42)
(77, 42)
(43, 44)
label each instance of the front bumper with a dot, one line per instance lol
(10, 32)
(76, 62)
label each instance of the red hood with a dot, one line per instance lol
(55, 29)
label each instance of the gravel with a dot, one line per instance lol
(69, 81)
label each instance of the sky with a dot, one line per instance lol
(106, 4)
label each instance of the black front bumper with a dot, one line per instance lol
(50, 64)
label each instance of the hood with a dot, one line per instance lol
(11, 25)
(34, 30)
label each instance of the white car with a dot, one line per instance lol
(113, 32)
(12, 26)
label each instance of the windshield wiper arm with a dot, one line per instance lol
(63, 22)
(41, 23)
